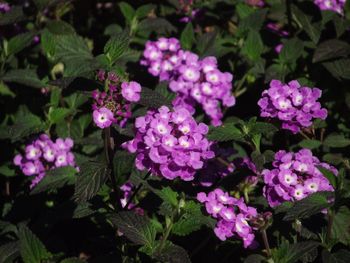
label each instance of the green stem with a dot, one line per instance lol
(166, 234)
(330, 224)
(246, 196)
(266, 242)
(136, 191)
(109, 157)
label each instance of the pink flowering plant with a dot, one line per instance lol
(175, 131)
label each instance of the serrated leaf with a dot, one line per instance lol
(123, 162)
(144, 10)
(168, 196)
(116, 46)
(187, 37)
(27, 77)
(31, 248)
(331, 49)
(226, 132)
(336, 141)
(206, 44)
(127, 10)
(135, 227)
(310, 144)
(157, 24)
(173, 254)
(92, 176)
(59, 27)
(309, 206)
(254, 21)
(55, 179)
(341, 225)
(291, 51)
(58, 114)
(13, 16)
(341, 256)
(253, 46)
(72, 260)
(340, 68)
(291, 253)
(153, 99)
(9, 251)
(25, 124)
(312, 29)
(19, 42)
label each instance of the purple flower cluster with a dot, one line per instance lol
(294, 177)
(233, 216)
(170, 143)
(128, 189)
(43, 154)
(114, 106)
(294, 105)
(194, 81)
(4, 7)
(333, 5)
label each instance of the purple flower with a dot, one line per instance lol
(131, 91)
(170, 143)
(43, 154)
(333, 5)
(294, 105)
(232, 215)
(294, 176)
(103, 117)
(194, 81)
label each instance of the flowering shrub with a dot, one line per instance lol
(175, 131)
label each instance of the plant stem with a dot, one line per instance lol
(246, 196)
(7, 188)
(330, 224)
(109, 158)
(304, 135)
(289, 17)
(166, 234)
(266, 242)
(136, 191)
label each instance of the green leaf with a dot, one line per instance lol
(59, 27)
(253, 46)
(255, 258)
(168, 196)
(331, 49)
(309, 206)
(116, 46)
(291, 51)
(157, 24)
(13, 16)
(72, 260)
(135, 227)
(329, 175)
(173, 254)
(9, 252)
(312, 29)
(25, 124)
(205, 44)
(144, 10)
(153, 99)
(341, 256)
(310, 144)
(340, 68)
(127, 10)
(26, 77)
(187, 37)
(341, 225)
(31, 248)
(92, 176)
(291, 253)
(6, 171)
(57, 114)
(19, 42)
(74, 52)
(123, 163)
(226, 132)
(254, 21)
(55, 179)
(336, 141)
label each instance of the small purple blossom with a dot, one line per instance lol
(294, 177)
(195, 81)
(44, 154)
(232, 215)
(114, 106)
(170, 143)
(293, 105)
(333, 5)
